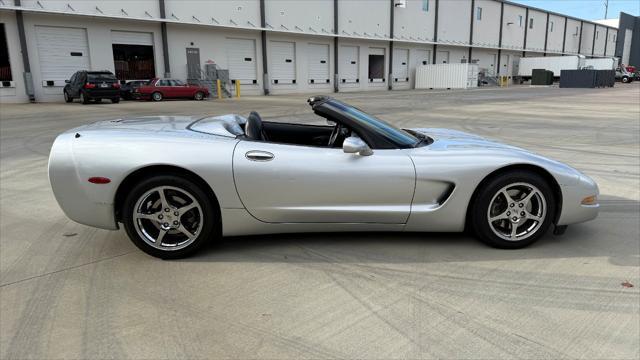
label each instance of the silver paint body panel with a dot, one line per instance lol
(301, 188)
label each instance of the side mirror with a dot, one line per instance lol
(355, 145)
(67, 81)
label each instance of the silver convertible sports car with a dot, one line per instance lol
(176, 183)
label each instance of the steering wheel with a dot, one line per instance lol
(337, 130)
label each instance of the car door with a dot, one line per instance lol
(280, 183)
(164, 86)
(77, 82)
(181, 89)
(69, 85)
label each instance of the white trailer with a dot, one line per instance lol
(601, 63)
(447, 76)
(552, 63)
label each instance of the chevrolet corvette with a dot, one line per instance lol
(176, 183)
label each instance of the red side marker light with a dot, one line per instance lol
(99, 180)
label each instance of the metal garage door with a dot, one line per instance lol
(318, 64)
(400, 65)
(131, 38)
(241, 59)
(442, 57)
(283, 62)
(61, 51)
(422, 57)
(349, 56)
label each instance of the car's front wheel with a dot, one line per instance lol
(625, 79)
(156, 96)
(199, 95)
(169, 216)
(513, 210)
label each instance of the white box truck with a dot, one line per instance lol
(552, 63)
(601, 63)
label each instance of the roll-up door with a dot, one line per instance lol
(131, 38)
(400, 65)
(319, 64)
(422, 57)
(376, 65)
(241, 58)
(62, 51)
(349, 58)
(283, 62)
(133, 56)
(442, 57)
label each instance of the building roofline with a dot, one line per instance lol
(554, 13)
(269, 29)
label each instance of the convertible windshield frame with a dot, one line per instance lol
(377, 133)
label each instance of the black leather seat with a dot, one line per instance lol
(253, 128)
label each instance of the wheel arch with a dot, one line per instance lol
(553, 183)
(153, 170)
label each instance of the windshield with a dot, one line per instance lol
(100, 76)
(395, 134)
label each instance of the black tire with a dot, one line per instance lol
(210, 215)
(199, 96)
(625, 79)
(84, 98)
(156, 96)
(115, 100)
(67, 98)
(479, 209)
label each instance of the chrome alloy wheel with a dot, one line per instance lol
(168, 218)
(517, 211)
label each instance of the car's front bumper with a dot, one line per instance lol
(573, 210)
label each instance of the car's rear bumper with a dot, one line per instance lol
(103, 93)
(73, 193)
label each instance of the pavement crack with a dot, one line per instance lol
(65, 269)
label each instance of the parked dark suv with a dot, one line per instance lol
(92, 85)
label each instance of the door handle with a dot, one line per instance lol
(256, 155)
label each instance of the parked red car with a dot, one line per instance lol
(158, 89)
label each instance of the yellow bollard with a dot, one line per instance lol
(237, 82)
(219, 88)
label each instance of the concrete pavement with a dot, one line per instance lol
(69, 291)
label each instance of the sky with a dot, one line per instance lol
(586, 9)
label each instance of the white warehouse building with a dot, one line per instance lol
(276, 46)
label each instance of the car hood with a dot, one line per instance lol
(489, 150)
(454, 139)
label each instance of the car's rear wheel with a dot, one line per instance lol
(156, 96)
(513, 210)
(625, 79)
(67, 98)
(115, 100)
(84, 98)
(199, 95)
(169, 217)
